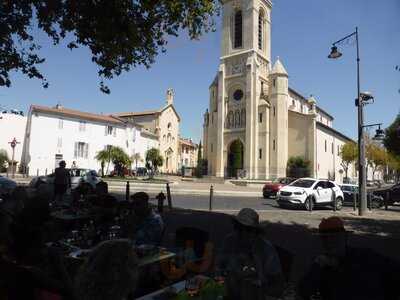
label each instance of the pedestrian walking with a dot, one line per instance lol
(62, 181)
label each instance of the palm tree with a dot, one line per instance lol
(104, 156)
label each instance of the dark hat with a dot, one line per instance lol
(248, 217)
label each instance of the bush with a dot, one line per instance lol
(298, 167)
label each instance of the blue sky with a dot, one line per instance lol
(302, 33)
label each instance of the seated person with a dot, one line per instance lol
(109, 273)
(341, 272)
(33, 271)
(144, 226)
(252, 266)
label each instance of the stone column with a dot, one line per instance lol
(219, 157)
(249, 146)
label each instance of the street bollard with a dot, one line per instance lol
(127, 191)
(310, 204)
(334, 200)
(169, 196)
(354, 201)
(160, 197)
(37, 172)
(386, 199)
(211, 197)
(369, 200)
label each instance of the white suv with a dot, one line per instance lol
(310, 191)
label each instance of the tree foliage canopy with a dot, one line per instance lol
(120, 34)
(3, 158)
(348, 154)
(298, 167)
(392, 137)
(153, 159)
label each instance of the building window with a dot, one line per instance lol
(82, 126)
(169, 126)
(60, 124)
(273, 145)
(186, 162)
(260, 29)
(81, 150)
(211, 147)
(338, 150)
(260, 153)
(59, 142)
(325, 146)
(212, 118)
(238, 32)
(274, 82)
(110, 130)
(260, 117)
(293, 103)
(274, 111)
(332, 149)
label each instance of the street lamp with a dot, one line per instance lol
(362, 99)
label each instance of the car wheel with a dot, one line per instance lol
(309, 202)
(339, 203)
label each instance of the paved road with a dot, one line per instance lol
(225, 203)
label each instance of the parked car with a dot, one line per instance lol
(312, 192)
(351, 190)
(391, 194)
(270, 189)
(6, 185)
(84, 179)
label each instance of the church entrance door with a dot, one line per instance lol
(235, 158)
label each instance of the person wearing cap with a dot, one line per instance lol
(62, 181)
(145, 226)
(250, 262)
(343, 272)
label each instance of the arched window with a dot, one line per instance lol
(261, 18)
(238, 30)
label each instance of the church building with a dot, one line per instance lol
(255, 122)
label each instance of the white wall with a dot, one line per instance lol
(12, 126)
(46, 139)
(328, 162)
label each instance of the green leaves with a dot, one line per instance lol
(120, 34)
(298, 167)
(154, 159)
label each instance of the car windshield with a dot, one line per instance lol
(305, 183)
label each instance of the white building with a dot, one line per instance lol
(12, 126)
(57, 133)
(187, 153)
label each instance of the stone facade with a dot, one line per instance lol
(255, 121)
(165, 124)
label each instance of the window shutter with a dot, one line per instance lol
(86, 150)
(76, 150)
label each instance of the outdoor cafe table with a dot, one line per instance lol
(143, 261)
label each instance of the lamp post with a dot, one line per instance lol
(362, 99)
(13, 144)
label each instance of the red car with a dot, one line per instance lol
(270, 189)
